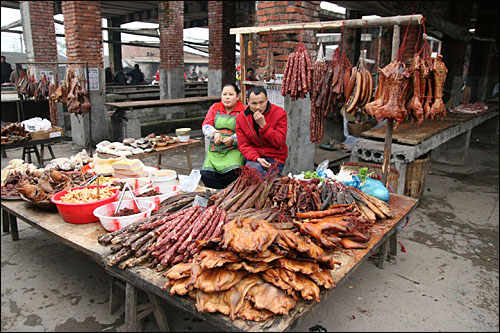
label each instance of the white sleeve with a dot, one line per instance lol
(209, 131)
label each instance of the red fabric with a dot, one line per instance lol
(157, 76)
(210, 117)
(271, 141)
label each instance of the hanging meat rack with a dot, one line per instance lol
(394, 21)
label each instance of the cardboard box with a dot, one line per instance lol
(54, 132)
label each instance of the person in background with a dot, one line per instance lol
(136, 75)
(249, 77)
(261, 131)
(120, 77)
(16, 75)
(194, 75)
(5, 70)
(223, 157)
(157, 76)
(109, 75)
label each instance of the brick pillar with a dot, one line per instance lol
(39, 35)
(222, 45)
(300, 151)
(83, 32)
(171, 21)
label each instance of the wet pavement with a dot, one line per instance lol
(447, 280)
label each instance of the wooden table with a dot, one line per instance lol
(83, 238)
(30, 146)
(117, 106)
(451, 134)
(164, 150)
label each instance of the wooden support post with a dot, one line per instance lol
(382, 254)
(393, 240)
(389, 126)
(243, 70)
(131, 322)
(13, 227)
(5, 220)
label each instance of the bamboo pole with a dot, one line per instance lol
(348, 24)
(243, 66)
(389, 126)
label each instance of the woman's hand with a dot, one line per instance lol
(217, 138)
(265, 164)
(228, 141)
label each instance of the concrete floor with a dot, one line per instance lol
(447, 280)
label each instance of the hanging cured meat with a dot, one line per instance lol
(297, 78)
(439, 72)
(391, 94)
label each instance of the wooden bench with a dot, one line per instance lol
(135, 105)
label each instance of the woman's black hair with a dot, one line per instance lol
(257, 90)
(250, 69)
(235, 87)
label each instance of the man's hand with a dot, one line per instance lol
(259, 119)
(265, 164)
(228, 141)
(217, 138)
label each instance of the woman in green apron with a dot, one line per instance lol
(223, 158)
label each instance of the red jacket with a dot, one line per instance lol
(210, 117)
(271, 140)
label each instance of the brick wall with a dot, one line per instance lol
(285, 42)
(171, 21)
(43, 31)
(222, 45)
(82, 27)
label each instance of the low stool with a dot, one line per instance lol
(27, 153)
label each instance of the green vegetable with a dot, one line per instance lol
(310, 174)
(363, 173)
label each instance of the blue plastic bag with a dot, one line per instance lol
(372, 187)
(375, 188)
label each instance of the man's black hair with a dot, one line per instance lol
(256, 90)
(250, 69)
(136, 66)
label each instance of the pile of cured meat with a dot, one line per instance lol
(258, 248)
(254, 272)
(13, 132)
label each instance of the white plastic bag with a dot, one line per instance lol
(189, 183)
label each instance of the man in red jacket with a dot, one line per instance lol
(261, 132)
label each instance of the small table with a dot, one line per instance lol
(164, 150)
(30, 146)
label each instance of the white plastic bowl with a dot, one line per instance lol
(166, 192)
(163, 177)
(115, 223)
(184, 138)
(135, 183)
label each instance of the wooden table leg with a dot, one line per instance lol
(4, 154)
(131, 322)
(161, 319)
(188, 155)
(42, 151)
(13, 227)
(51, 151)
(115, 295)
(37, 153)
(5, 221)
(382, 255)
(393, 240)
(159, 161)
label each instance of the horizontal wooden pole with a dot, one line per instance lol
(356, 23)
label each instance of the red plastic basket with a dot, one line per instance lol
(84, 212)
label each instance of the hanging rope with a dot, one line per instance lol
(402, 48)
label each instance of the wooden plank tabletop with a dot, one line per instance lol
(83, 237)
(410, 133)
(130, 92)
(27, 143)
(162, 102)
(158, 150)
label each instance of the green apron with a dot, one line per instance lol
(220, 158)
